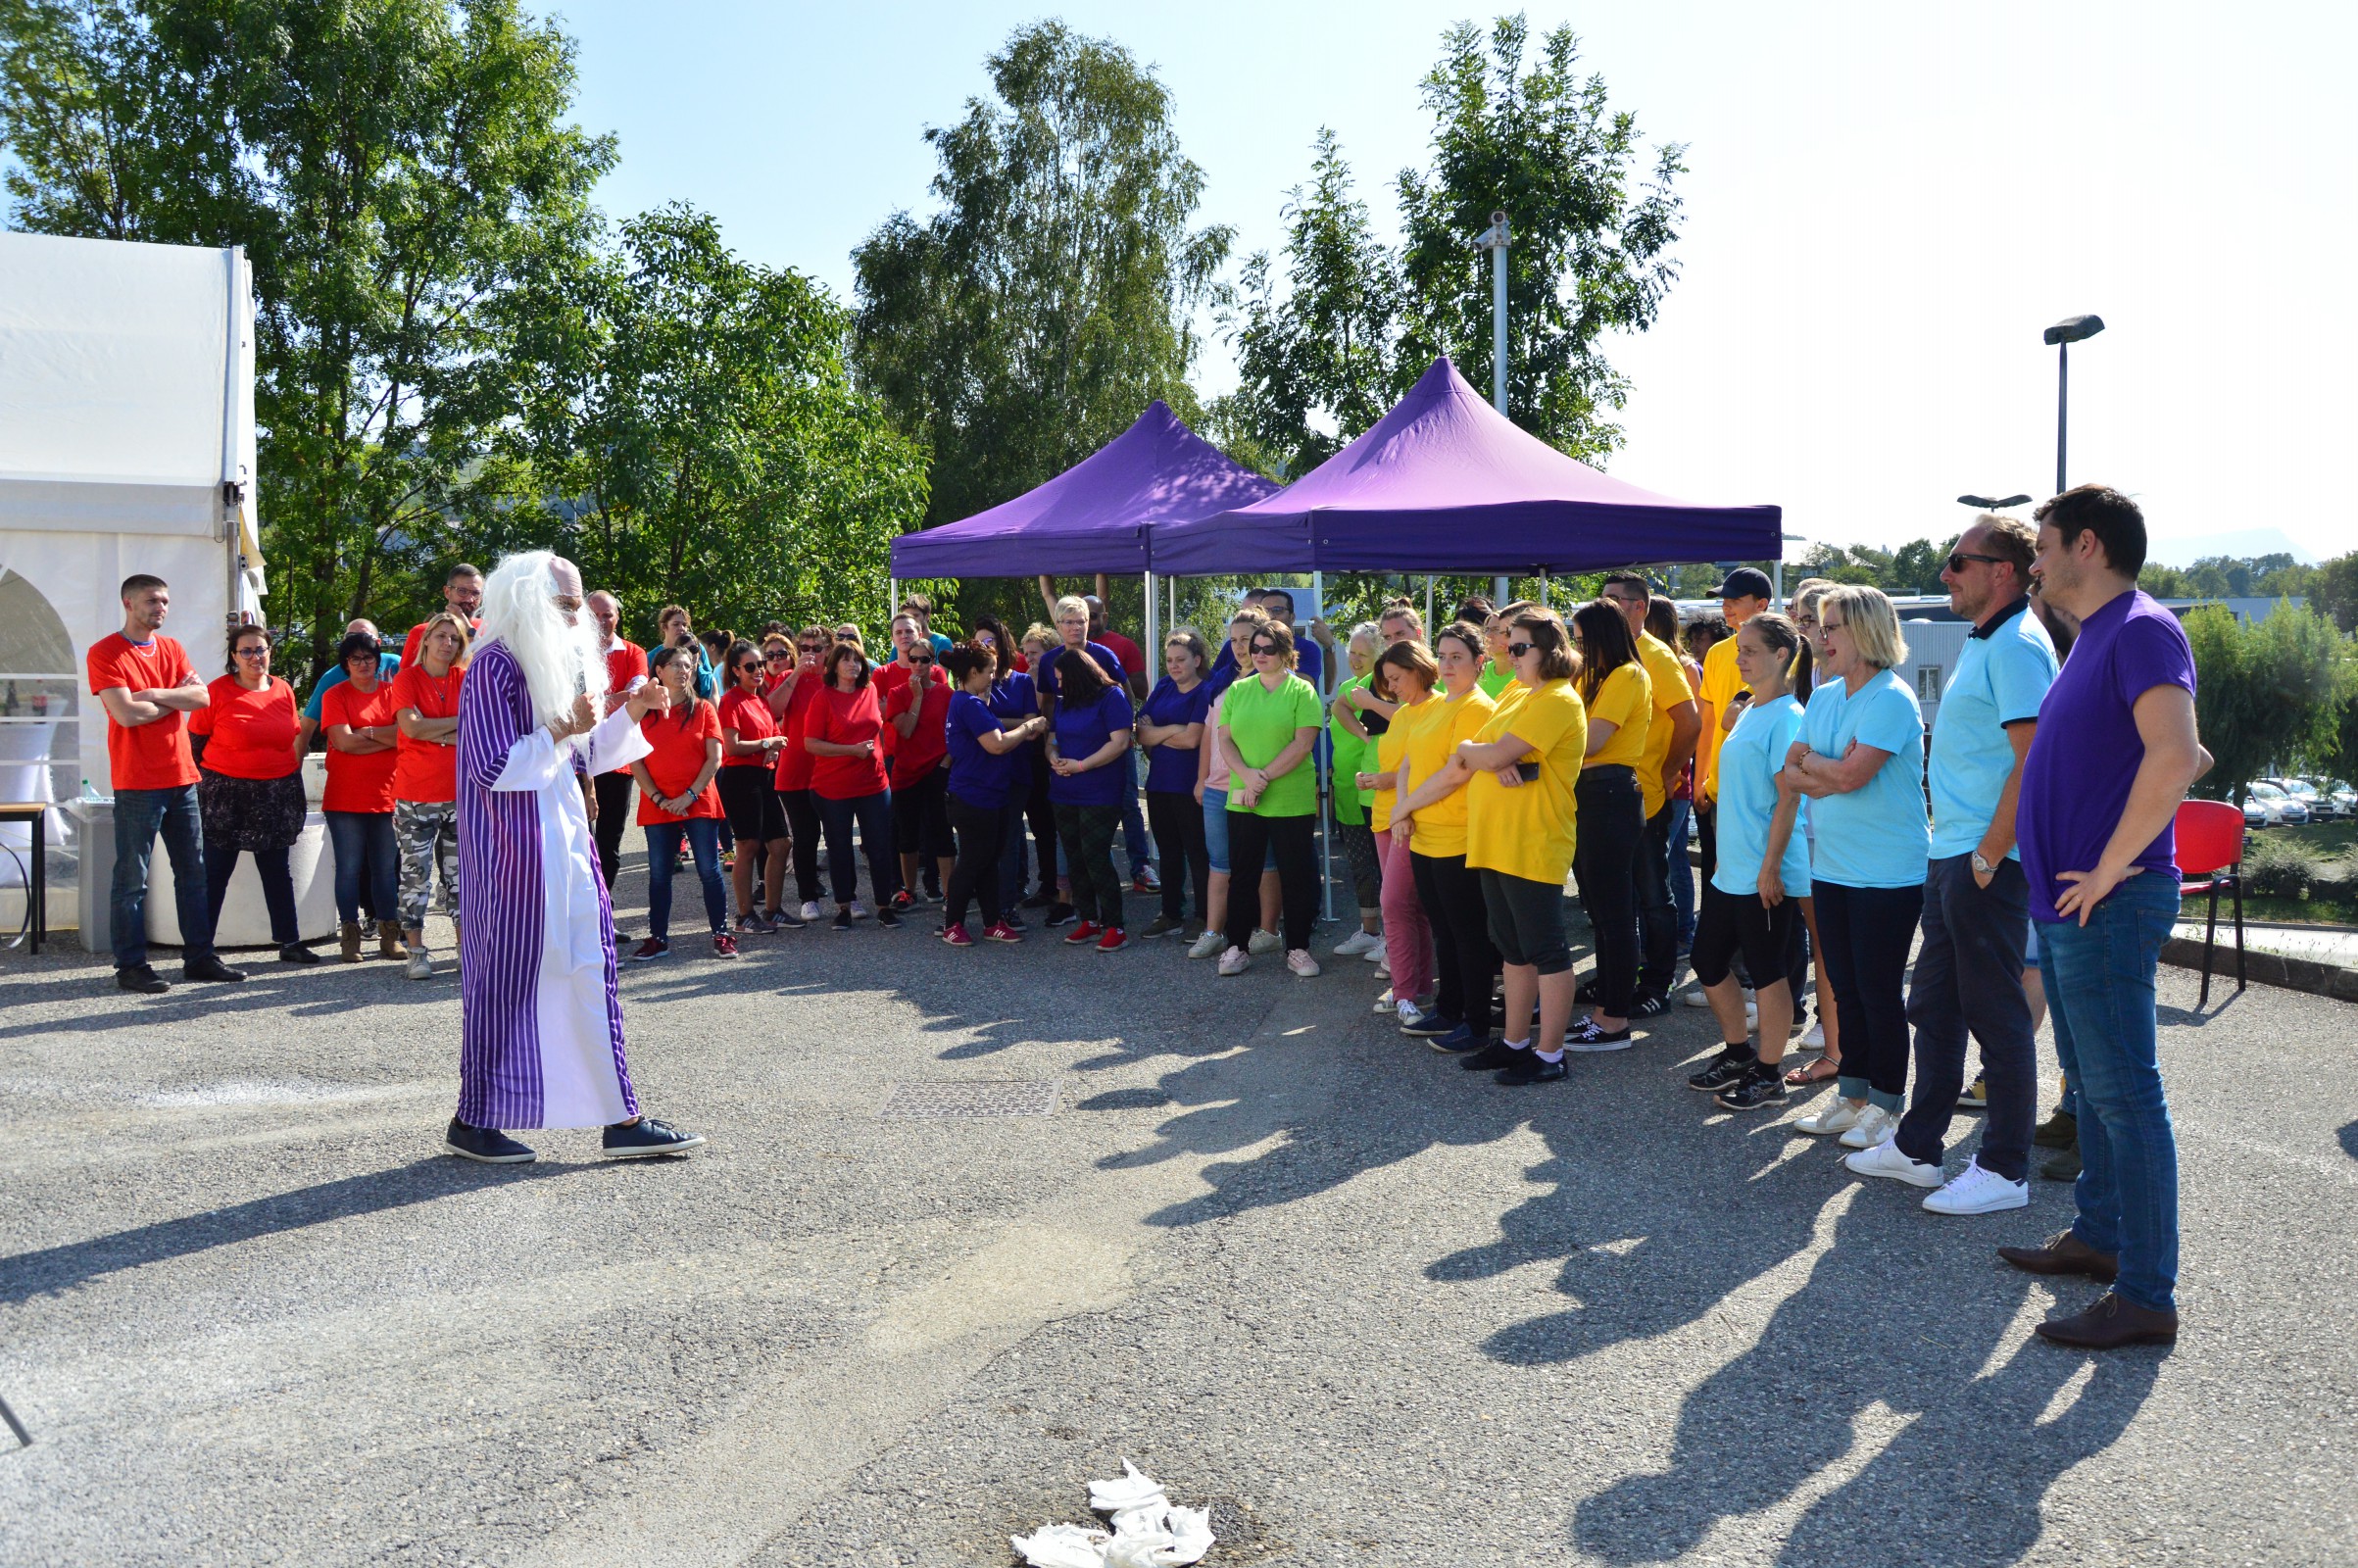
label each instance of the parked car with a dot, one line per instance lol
(2302, 790)
(2255, 815)
(2281, 809)
(2345, 797)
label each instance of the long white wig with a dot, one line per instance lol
(558, 653)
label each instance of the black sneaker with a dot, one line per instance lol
(1732, 1067)
(141, 978)
(1649, 1006)
(1586, 993)
(1040, 900)
(1763, 1084)
(211, 969)
(785, 920)
(297, 952)
(1061, 914)
(1492, 1056)
(486, 1144)
(1530, 1067)
(885, 919)
(843, 920)
(1433, 1026)
(1460, 1041)
(638, 1138)
(1589, 1038)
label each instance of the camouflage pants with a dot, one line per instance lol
(427, 833)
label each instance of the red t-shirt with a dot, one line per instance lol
(888, 680)
(845, 719)
(1133, 662)
(678, 738)
(152, 756)
(409, 650)
(253, 733)
(426, 772)
(625, 668)
(916, 754)
(748, 714)
(357, 782)
(794, 763)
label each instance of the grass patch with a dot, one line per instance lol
(2320, 839)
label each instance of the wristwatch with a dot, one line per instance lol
(1982, 866)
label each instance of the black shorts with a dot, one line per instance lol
(1526, 922)
(1729, 923)
(751, 805)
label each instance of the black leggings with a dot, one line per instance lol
(1254, 841)
(1462, 953)
(802, 820)
(1612, 834)
(1867, 932)
(1087, 834)
(1041, 811)
(613, 794)
(875, 815)
(1178, 823)
(278, 887)
(981, 834)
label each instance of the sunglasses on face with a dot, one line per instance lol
(1958, 557)
(1259, 648)
(779, 656)
(919, 664)
(1518, 649)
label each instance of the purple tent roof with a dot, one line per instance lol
(1446, 483)
(1093, 516)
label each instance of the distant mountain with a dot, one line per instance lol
(2242, 544)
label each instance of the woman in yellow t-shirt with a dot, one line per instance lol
(1402, 678)
(1521, 816)
(1619, 695)
(1428, 819)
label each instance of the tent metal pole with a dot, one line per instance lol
(1428, 626)
(1152, 654)
(1320, 758)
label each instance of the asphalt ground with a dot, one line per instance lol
(1369, 1308)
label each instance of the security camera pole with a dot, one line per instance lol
(1494, 240)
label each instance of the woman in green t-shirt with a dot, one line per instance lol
(1354, 753)
(1270, 725)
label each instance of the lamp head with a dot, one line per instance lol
(1991, 504)
(2074, 328)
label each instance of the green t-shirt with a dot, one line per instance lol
(1262, 723)
(1494, 678)
(1352, 756)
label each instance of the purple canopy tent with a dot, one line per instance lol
(1446, 483)
(1096, 515)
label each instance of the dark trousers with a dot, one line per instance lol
(1178, 823)
(140, 816)
(1462, 955)
(1043, 813)
(1681, 870)
(1086, 833)
(974, 876)
(278, 890)
(1867, 932)
(368, 864)
(1658, 912)
(1254, 840)
(874, 815)
(1968, 983)
(802, 820)
(611, 792)
(1605, 856)
(1010, 850)
(702, 834)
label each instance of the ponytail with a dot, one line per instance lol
(1782, 635)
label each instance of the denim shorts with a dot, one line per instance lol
(1215, 829)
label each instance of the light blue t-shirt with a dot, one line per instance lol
(1750, 760)
(2002, 676)
(1875, 836)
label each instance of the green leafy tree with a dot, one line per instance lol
(392, 167)
(2333, 590)
(1592, 234)
(2265, 692)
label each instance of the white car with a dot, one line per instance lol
(2302, 790)
(2281, 809)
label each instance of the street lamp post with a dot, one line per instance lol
(1494, 239)
(2063, 334)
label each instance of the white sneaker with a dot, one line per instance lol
(1302, 964)
(1235, 962)
(1386, 1002)
(1208, 945)
(1379, 953)
(1695, 999)
(422, 964)
(811, 913)
(1383, 964)
(1836, 1115)
(1358, 942)
(1410, 1013)
(860, 910)
(1265, 941)
(1815, 1040)
(1874, 1125)
(1885, 1159)
(1977, 1191)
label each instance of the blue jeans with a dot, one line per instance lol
(702, 834)
(2099, 980)
(1681, 870)
(366, 846)
(138, 815)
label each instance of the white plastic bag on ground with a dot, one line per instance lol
(1148, 1530)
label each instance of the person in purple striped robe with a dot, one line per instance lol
(540, 1020)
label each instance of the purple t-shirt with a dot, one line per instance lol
(2074, 783)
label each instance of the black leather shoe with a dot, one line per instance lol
(486, 1144)
(211, 969)
(2062, 1253)
(297, 952)
(2110, 1324)
(141, 978)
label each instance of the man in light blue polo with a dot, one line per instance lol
(1977, 916)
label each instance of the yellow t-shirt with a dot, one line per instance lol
(1667, 678)
(1721, 682)
(1627, 700)
(1384, 758)
(1529, 831)
(1435, 731)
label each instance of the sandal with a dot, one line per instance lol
(1820, 1071)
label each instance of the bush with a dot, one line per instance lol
(2278, 867)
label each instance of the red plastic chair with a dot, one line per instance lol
(2210, 860)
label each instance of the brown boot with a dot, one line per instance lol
(389, 944)
(2110, 1324)
(2063, 1254)
(349, 933)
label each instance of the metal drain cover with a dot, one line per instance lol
(1017, 1097)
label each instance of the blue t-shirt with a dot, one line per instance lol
(1082, 730)
(1875, 836)
(976, 775)
(1013, 700)
(2074, 784)
(388, 665)
(1750, 760)
(1044, 673)
(1308, 662)
(1171, 770)
(2002, 676)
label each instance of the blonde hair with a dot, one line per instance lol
(1870, 621)
(452, 620)
(1070, 604)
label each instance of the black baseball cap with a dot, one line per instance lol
(1745, 582)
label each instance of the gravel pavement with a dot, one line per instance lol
(1372, 1309)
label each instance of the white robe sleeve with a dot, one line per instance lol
(537, 762)
(617, 741)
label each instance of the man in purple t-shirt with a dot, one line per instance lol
(2115, 751)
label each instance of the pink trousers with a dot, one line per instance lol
(1408, 934)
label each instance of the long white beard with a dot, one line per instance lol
(560, 662)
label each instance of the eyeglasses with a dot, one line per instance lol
(254, 653)
(1805, 621)
(1518, 649)
(1958, 557)
(1829, 625)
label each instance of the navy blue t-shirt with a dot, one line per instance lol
(976, 775)
(1170, 769)
(1082, 730)
(1044, 673)
(1013, 700)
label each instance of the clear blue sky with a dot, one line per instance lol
(1888, 203)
